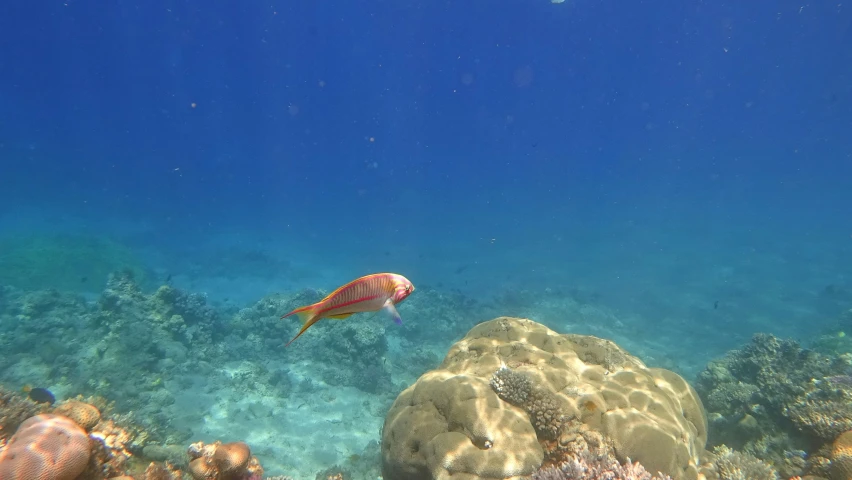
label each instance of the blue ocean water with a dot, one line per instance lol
(684, 165)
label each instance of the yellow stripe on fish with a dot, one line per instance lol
(370, 293)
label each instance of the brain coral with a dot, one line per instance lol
(223, 461)
(452, 424)
(46, 447)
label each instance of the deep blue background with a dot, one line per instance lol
(514, 119)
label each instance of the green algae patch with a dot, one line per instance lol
(69, 263)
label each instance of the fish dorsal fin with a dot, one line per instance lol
(353, 282)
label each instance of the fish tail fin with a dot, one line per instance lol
(307, 315)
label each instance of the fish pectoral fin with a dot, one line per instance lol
(391, 309)
(340, 316)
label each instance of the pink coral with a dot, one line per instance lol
(46, 447)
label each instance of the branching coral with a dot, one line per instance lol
(732, 465)
(825, 411)
(776, 400)
(591, 467)
(543, 407)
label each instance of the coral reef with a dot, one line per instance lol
(825, 411)
(91, 347)
(731, 465)
(349, 353)
(14, 409)
(777, 401)
(109, 438)
(155, 353)
(585, 454)
(452, 421)
(361, 349)
(89, 444)
(39, 328)
(593, 467)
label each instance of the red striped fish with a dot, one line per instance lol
(371, 293)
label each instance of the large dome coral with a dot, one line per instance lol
(509, 390)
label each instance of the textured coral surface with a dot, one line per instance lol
(46, 447)
(84, 414)
(777, 401)
(452, 424)
(841, 457)
(732, 465)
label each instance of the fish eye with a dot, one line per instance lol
(408, 288)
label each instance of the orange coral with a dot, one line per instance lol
(841, 457)
(46, 447)
(218, 461)
(233, 457)
(86, 415)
